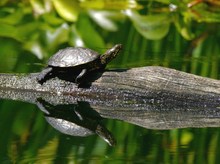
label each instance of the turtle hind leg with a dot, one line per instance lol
(44, 75)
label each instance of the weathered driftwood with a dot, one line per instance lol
(152, 97)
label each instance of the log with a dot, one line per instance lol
(151, 97)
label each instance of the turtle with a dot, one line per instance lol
(76, 61)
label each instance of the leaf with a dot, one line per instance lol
(11, 16)
(110, 4)
(150, 26)
(67, 9)
(9, 54)
(88, 33)
(57, 36)
(105, 19)
(3, 2)
(40, 6)
(9, 31)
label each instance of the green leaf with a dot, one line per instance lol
(40, 6)
(9, 54)
(9, 31)
(57, 36)
(11, 16)
(106, 19)
(88, 33)
(67, 9)
(150, 26)
(3, 2)
(110, 4)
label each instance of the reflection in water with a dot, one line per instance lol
(75, 119)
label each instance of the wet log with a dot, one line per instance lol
(138, 84)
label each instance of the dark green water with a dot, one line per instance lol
(27, 39)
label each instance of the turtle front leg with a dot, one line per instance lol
(80, 76)
(42, 77)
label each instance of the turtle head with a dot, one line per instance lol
(110, 54)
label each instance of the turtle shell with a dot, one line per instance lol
(68, 127)
(70, 57)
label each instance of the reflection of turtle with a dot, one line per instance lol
(77, 61)
(75, 119)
